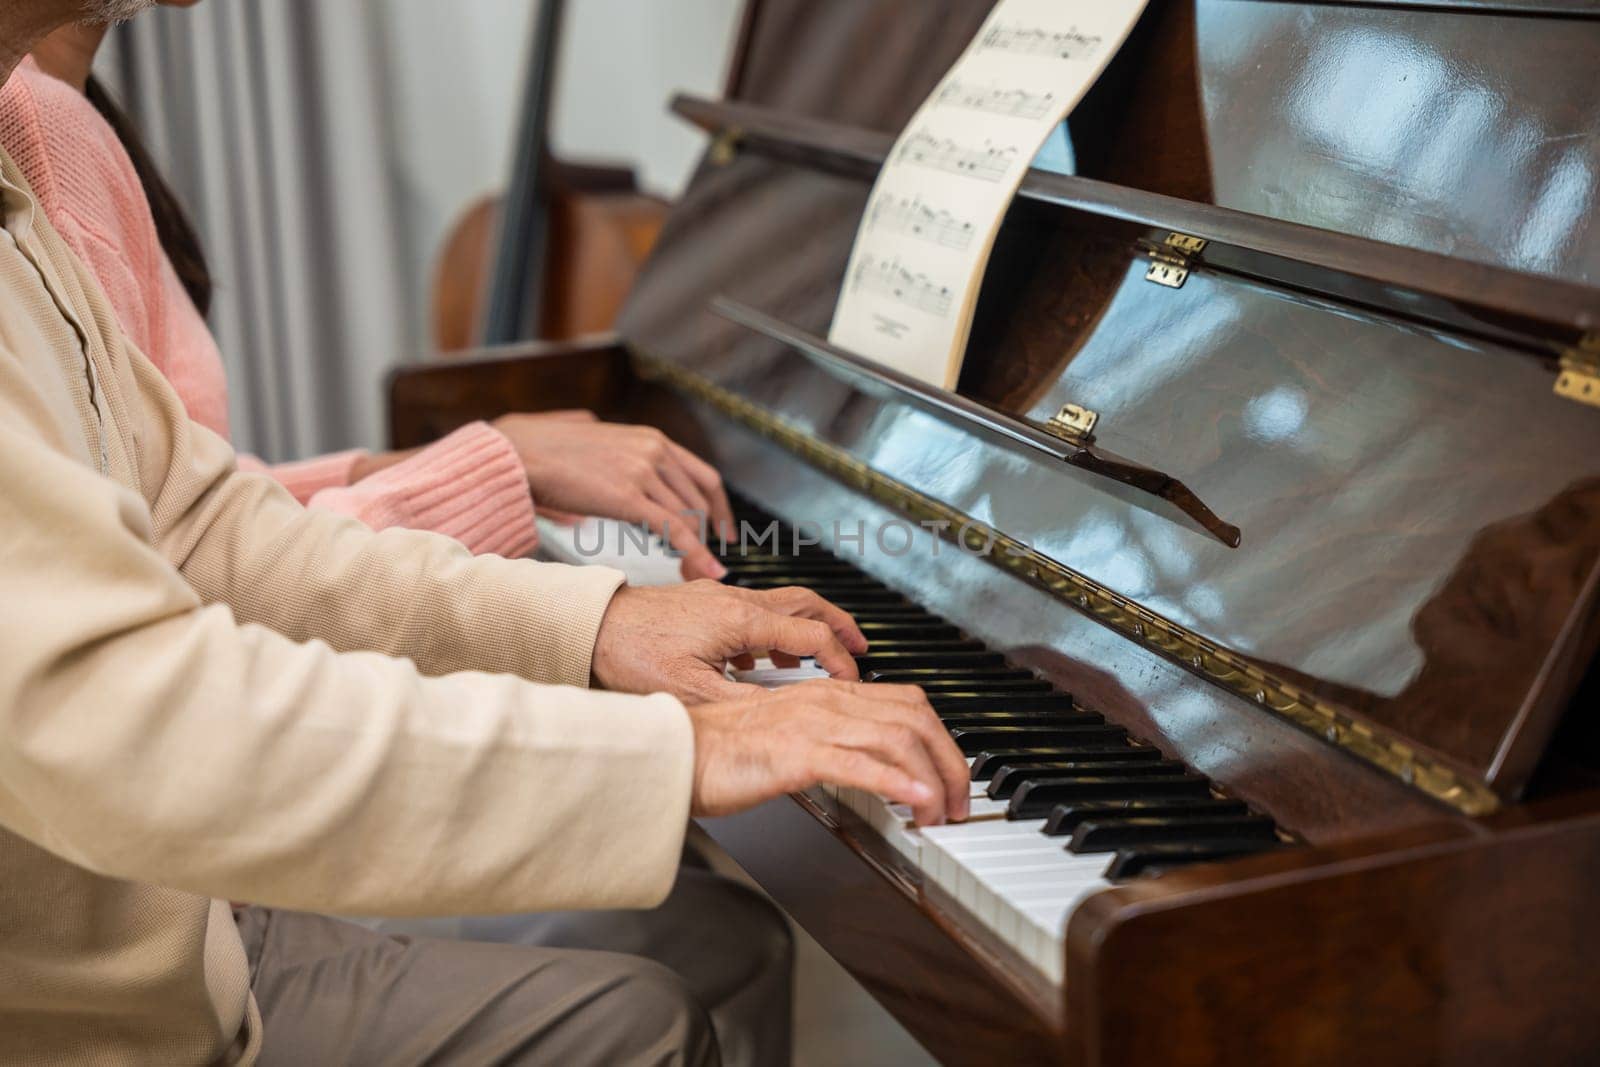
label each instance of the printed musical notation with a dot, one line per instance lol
(912, 215)
(1037, 41)
(914, 289)
(991, 163)
(998, 100)
(912, 285)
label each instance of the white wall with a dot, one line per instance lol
(623, 61)
(458, 68)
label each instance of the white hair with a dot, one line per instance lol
(100, 11)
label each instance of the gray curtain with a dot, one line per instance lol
(271, 118)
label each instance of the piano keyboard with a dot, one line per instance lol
(1064, 803)
(609, 543)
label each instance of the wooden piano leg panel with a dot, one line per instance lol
(937, 988)
(428, 401)
(1471, 949)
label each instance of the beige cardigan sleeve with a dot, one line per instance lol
(149, 736)
(242, 540)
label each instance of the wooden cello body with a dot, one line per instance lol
(555, 257)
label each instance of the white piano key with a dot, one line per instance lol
(901, 834)
(1019, 882)
(610, 543)
(983, 807)
(770, 677)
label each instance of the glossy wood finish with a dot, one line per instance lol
(1312, 790)
(1467, 134)
(427, 402)
(1267, 413)
(1430, 947)
(1522, 311)
(1420, 519)
(1313, 432)
(1144, 486)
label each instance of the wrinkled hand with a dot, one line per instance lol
(680, 639)
(576, 463)
(881, 738)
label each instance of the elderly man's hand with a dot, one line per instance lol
(680, 639)
(881, 738)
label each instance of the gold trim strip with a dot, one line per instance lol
(1371, 744)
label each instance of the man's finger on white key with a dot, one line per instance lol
(914, 713)
(901, 745)
(805, 604)
(800, 638)
(852, 768)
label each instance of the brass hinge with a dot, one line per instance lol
(1074, 423)
(1171, 262)
(1580, 372)
(725, 148)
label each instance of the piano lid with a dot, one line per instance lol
(1420, 513)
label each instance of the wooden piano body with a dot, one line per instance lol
(1335, 542)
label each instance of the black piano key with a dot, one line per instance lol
(755, 567)
(840, 583)
(970, 720)
(991, 680)
(958, 644)
(1036, 799)
(899, 615)
(1021, 717)
(758, 548)
(889, 661)
(1001, 701)
(883, 611)
(731, 556)
(1008, 779)
(973, 740)
(909, 631)
(846, 596)
(991, 688)
(987, 764)
(763, 582)
(1111, 835)
(1066, 818)
(1145, 859)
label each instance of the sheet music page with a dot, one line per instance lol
(925, 240)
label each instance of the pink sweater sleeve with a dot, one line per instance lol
(469, 486)
(306, 478)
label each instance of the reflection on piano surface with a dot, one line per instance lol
(1319, 783)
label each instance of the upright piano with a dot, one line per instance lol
(1254, 562)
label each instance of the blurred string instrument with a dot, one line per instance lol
(555, 257)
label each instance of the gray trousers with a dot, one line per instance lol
(338, 994)
(730, 947)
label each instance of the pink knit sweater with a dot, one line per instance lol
(470, 485)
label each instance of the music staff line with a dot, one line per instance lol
(893, 280)
(995, 100)
(991, 163)
(1032, 41)
(914, 218)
